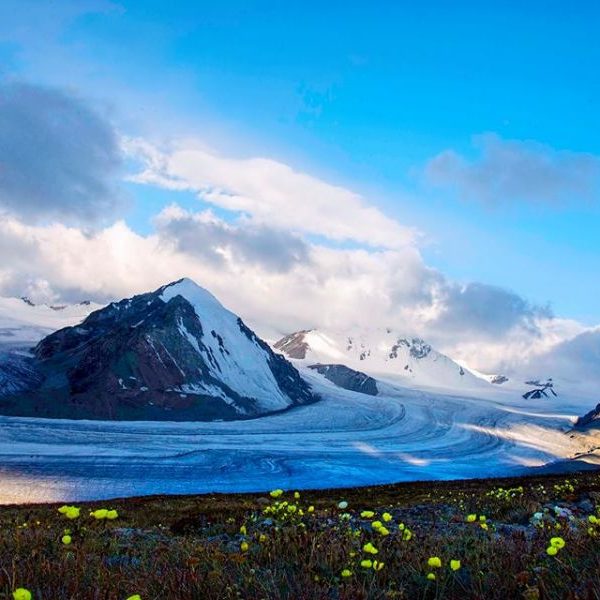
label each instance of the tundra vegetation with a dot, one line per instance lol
(525, 538)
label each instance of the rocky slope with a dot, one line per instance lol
(379, 352)
(172, 354)
(347, 378)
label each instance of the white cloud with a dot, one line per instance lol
(271, 193)
(335, 288)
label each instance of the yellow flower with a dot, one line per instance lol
(112, 515)
(244, 546)
(71, 512)
(262, 538)
(482, 518)
(311, 509)
(366, 564)
(377, 566)
(276, 493)
(376, 525)
(296, 495)
(407, 535)
(401, 527)
(135, 597)
(455, 565)
(346, 573)
(243, 530)
(370, 548)
(22, 594)
(557, 542)
(387, 517)
(471, 518)
(431, 576)
(63, 509)
(551, 550)
(66, 539)
(99, 514)
(367, 514)
(593, 519)
(434, 562)
(483, 526)
(383, 531)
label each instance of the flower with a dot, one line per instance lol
(376, 525)
(276, 493)
(366, 564)
(63, 509)
(593, 519)
(244, 546)
(297, 495)
(483, 526)
(99, 514)
(383, 531)
(370, 548)
(262, 538)
(367, 514)
(311, 509)
(455, 565)
(482, 518)
(386, 517)
(377, 566)
(66, 539)
(557, 542)
(407, 535)
(72, 512)
(431, 576)
(346, 573)
(22, 594)
(434, 562)
(471, 518)
(343, 505)
(134, 597)
(243, 530)
(551, 550)
(112, 515)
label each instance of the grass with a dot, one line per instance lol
(256, 546)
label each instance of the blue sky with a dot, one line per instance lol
(363, 95)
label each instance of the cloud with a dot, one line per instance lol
(486, 310)
(338, 288)
(270, 192)
(205, 236)
(510, 171)
(59, 158)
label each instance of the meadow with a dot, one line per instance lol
(530, 538)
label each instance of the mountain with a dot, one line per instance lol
(381, 353)
(172, 354)
(590, 419)
(23, 323)
(347, 378)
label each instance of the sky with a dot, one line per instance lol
(433, 166)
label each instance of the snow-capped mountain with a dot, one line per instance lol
(22, 322)
(174, 354)
(383, 353)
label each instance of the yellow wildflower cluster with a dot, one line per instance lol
(506, 495)
(565, 487)
(71, 512)
(481, 520)
(103, 513)
(556, 544)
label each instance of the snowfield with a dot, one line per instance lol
(346, 439)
